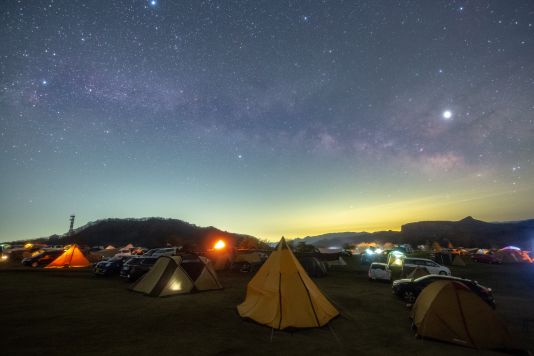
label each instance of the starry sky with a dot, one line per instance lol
(265, 117)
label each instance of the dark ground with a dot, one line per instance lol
(73, 313)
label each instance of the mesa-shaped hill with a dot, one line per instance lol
(470, 232)
(151, 232)
(467, 232)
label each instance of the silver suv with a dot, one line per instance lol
(431, 266)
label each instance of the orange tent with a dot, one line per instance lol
(72, 257)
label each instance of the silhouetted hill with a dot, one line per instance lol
(150, 232)
(467, 232)
(471, 232)
(341, 238)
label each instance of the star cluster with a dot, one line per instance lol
(265, 117)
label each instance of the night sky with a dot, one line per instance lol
(265, 117)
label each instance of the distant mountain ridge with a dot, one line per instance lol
(149, 232)
(468, 232)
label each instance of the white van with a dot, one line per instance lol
(379, 271)
(431, 266)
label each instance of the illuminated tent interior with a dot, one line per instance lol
(72, 257)
(451, 312)
(282, 295)
(172, 275)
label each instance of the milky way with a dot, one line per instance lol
(265, 117)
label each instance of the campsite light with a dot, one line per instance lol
(4, 258)
(369, 251)
(378, 250)
(398, 262)
(219, 245)
(28, 245)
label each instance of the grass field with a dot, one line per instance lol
(74, 313)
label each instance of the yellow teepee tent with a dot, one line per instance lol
(282, 295)
(72, 257)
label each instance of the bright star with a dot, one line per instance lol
(239, 156)
(153, 2)
(447, 114)
(44, 82)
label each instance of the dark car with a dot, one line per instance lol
(485, 258)
(125, 269)
(409, 289)
(139, 269)
(110, 267)
(42, 259)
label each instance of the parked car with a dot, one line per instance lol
(486, 258)
(167, 251)
(431, 266)
(140, 269)
(125, 269)
(110, 267)
(42, 259)
(409, 290)
(379, 271)
(150, 252)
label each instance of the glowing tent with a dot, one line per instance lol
(110, 247)
(451, 312)
(72, 257)
(172, 275)
(282, 295)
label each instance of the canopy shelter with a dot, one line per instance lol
(181, 274)
(282, 295)
(449, 311)
(72, 257)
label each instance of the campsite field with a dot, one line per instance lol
(47, 312)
